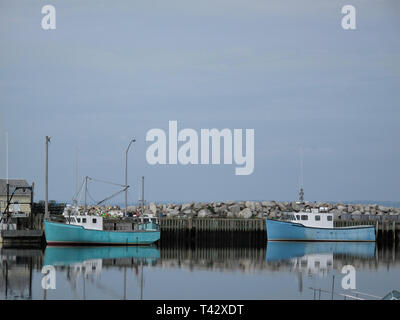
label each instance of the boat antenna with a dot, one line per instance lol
(76, 176)
(301, 193)
(7, 156)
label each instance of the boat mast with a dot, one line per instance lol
(86, 180)
(301, 193)
(75, 201)
(142, 196)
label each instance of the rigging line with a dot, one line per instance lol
(108, 182)
(112, 196)
(78, 192)
(90, 196)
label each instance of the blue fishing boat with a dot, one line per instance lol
(315, 225)
(88, 230)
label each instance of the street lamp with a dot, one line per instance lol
(126, 177)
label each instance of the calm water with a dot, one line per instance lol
(277, 271)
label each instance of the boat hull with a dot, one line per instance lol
(289, 231)
(65, 234)
(67, 255)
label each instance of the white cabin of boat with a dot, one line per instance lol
(86, 221)
(316, 218)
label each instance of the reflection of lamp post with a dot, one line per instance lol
(126, 177)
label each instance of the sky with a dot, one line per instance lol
(112, 71)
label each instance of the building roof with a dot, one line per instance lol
(14, 183)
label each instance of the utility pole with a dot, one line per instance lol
(31, 215)
(8, 202)
(8, 185)
(7, 157)
(142, 196)
(46, 208)
(86, 180)
(126, 177)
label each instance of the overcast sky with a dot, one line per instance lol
(113, 70)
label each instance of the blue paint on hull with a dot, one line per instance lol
(61, 256)
(277, 251)
(61, 233)
(289, 231)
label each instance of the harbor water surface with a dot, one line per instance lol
(279, 270)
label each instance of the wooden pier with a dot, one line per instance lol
(385, 230)
(207, 229)
(28, 238)
(215, 224)
(218, 231)
(213, 232)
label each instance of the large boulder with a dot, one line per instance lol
(384, 209)
(250, 205)
(172, 212)
(295, 207)
(336, 214)
(189, 212)
(268, 204)
(198, 206)
(230, 215)
(131, 209)
(204, 213)
(246, 213)
(283, 206)
(273, 214)
(153, 208)
(235, 209)
(186, 206)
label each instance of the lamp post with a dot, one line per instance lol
(46, 208)
(126, 177)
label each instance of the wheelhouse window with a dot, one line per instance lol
(329, 218)
(284, 217)
(297, 216)
(304, 217)
(83, 220)
(94, 220)
(317, 218)
(78, 220)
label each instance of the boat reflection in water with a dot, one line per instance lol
(316, 258)
(63, 256)
(88, 263)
